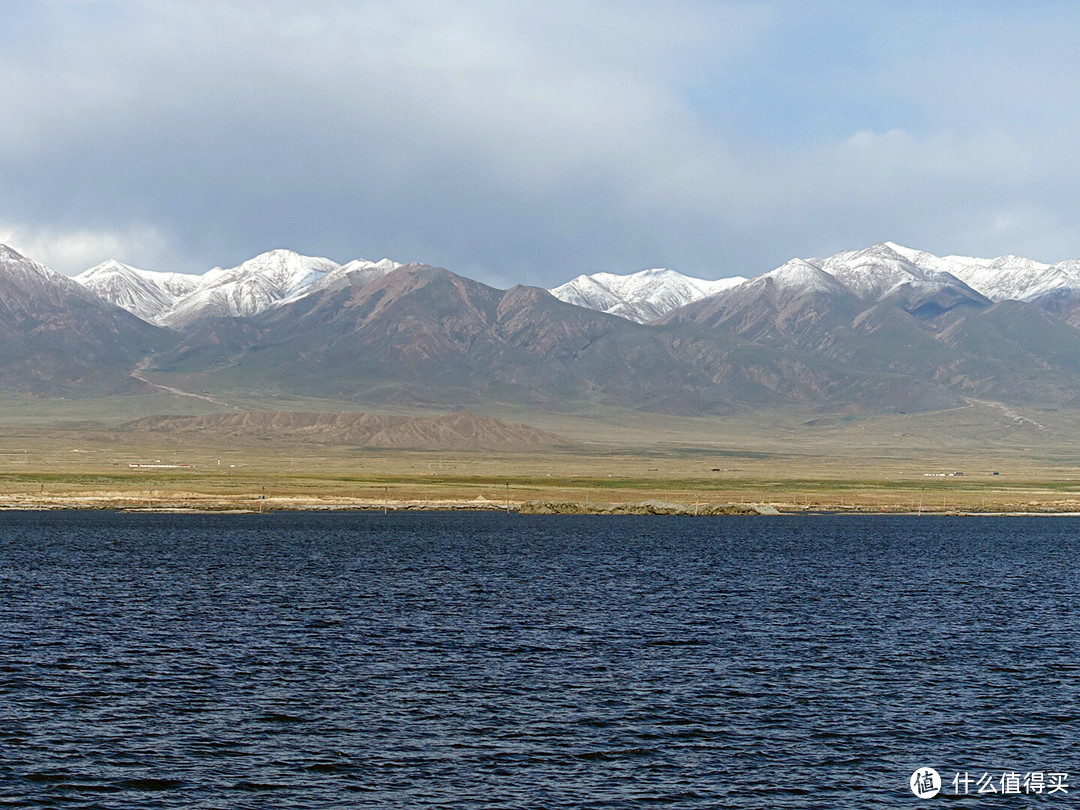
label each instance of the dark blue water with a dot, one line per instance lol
(476, 660)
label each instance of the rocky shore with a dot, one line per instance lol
(188, 501)
(180, 501)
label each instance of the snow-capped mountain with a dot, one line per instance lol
(868, 274)
(353, 274)
(1019, 279)
(282, 276)
(871, 272)
(269, 279)
(32, 290)
(885, 328)
(797, 301)
(1006, 278)
(250, 287)
(797, 276)
(23, 277)
(641, 297)
(146, 293)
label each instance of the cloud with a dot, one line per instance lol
(419, 128)
(529, 142)
(72, 251)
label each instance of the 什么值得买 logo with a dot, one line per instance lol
(925, 783)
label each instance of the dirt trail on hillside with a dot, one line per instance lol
(139, 374)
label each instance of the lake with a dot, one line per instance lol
(468, 660)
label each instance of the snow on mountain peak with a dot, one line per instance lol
(643, 296)
(26, 284)
(872, 272)
(146, 293)
(1006, 277)
(356, 273)
(869, 272)
(15, 265)
(176, 299)
(249, 287)
(29, 275)
(799, 274)
(281, 276)
(281, 271)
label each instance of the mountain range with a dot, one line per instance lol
(881, 329)
(176, 299)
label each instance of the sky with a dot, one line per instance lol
(527, 142)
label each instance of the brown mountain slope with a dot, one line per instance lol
(927, 344)
(57, 338)
(423, 335)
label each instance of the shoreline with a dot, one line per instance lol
(191, 503)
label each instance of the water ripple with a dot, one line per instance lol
(472, 661)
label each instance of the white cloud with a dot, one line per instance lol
(72, 251)
(488, 135)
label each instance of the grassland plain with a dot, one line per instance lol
(81, 454)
